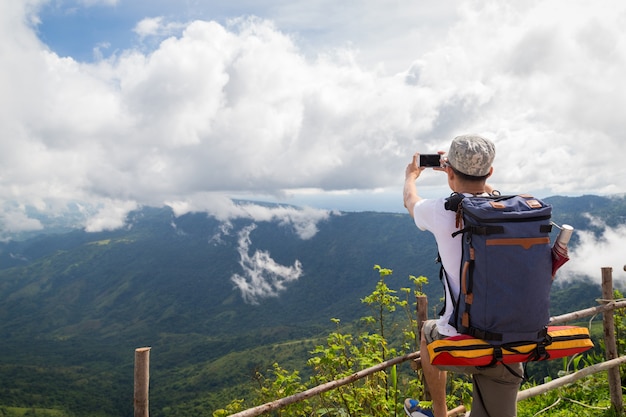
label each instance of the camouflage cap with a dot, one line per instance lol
(471, 155)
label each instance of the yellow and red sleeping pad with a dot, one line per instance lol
(465, 350)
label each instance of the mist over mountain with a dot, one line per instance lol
(196, 288)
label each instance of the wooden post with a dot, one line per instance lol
(142, 379)
(615, 384)
(422, 316)
(422, 312)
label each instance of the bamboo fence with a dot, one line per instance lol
(611, 365)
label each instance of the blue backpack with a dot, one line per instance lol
(506, 267)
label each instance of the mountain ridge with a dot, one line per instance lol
(173, 258)
(86, 300)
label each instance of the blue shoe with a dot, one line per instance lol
(412, 409)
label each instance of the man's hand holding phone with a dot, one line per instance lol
(430, 160)
(434, 161)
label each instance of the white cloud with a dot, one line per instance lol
(149, 26)
(15, 220)
(225, 229)
(303, 220)
(157, 27)
(111, 216)
(262, 276)
(597, 251)
(249, 107)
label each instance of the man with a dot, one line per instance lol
(467, 166)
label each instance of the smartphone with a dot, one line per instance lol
(430, 160)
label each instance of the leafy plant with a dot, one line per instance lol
(342, 355)
(381, 394)
(619, 315)
(419, 283)
(588, 397)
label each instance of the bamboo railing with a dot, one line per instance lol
(611, 365)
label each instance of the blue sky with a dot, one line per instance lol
(76, 32)
(114, 104)
(73, 28)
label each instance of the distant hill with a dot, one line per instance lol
(153, 277)
(75, 305)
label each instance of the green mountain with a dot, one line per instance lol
(215, 301)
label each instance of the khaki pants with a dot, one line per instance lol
(494, 388)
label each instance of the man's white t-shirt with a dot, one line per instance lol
(431, 215)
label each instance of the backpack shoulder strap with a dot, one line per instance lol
(453, 202)
(443, 275)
